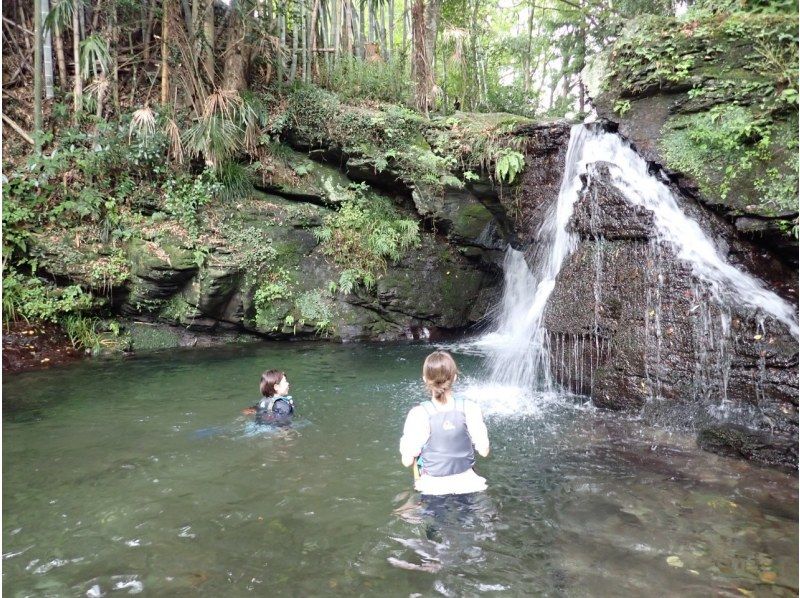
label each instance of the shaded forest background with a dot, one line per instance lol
(111, 105)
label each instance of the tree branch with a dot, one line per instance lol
(18, 129)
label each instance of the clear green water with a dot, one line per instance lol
(141, 475)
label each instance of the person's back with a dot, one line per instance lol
(444, 433)
(449, 449)
(276, 411)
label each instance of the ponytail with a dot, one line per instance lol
(439, 372)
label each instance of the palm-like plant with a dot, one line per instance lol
(59, 17)
(94, 52)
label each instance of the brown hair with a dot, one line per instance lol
(439, 372)
(268, 381)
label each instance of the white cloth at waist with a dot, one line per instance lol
(461, 483)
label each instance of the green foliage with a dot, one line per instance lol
(94, 55)
(109, 271)
(275, 287)
(508, 165)
(363, 235)
(354, 78)
(622, 107)
(184, 197)
(727, 146)
(31, 299)
(315, 309)
(391, 139)
(82, 331)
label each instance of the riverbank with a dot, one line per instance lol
(29, 347)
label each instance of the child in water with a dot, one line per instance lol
(444, 434)
(276, 407)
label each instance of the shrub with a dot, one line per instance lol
(365, 233)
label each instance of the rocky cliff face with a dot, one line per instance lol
(632, 326)
(714, 101)
(271, 264)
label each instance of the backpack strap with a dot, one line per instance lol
(429, 408)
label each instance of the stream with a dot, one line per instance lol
(142, 476)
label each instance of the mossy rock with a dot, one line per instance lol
(295, 175)
(469, 222)
(702, 98)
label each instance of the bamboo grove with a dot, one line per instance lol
(110, 57)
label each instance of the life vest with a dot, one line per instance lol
(266, 413)
(449, 449)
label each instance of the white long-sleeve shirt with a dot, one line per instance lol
(416, 432)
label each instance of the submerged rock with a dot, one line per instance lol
(759, 446)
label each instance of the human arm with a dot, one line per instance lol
(416, 432)
(477, 428)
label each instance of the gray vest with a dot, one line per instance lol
(449, 449)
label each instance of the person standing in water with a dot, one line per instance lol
(276, 407)
(443, 434)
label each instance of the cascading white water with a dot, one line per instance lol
(518, 348)
(630, 175)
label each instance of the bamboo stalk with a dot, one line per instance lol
(20, 131)
(164, 53)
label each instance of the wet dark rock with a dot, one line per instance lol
(631, 326)
(602, 211)
(758, 446)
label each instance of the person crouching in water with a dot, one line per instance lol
(276, 407)
(444, 434)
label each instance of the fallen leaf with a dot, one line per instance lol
(768, 576)
(674, 561)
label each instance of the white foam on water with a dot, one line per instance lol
(506, 401)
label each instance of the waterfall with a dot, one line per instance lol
(516, 348)
(519, 347)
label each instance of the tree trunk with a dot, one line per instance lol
(165, 54)
(390, 47)
(47, 51)
(303, 34)
(312, 52)
(422, 71)
(208, 38)
(114, 50)
(77, 92)
(526, 81)
(405, 29)
(432, 13)
(61, 59)
(356, 28)
(337, 28)
(280, 63)
(147, 27)
(293, 68)
(237, 55)
(37, 74)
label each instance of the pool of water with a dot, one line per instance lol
(143, 476)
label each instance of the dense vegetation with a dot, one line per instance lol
(159, 116)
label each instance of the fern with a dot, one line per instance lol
(508, 165)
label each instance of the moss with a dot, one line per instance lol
(470, 221)
(147, 337)
(726, 107)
